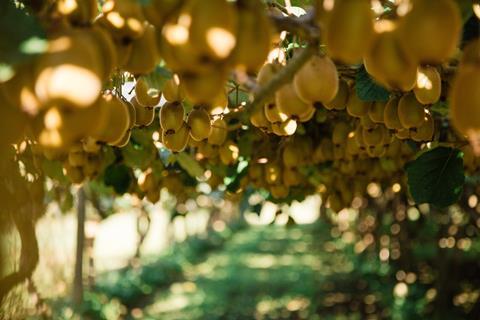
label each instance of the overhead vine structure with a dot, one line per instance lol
(242, 95)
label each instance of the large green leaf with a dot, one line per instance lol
(437, 177)
(367, 89)
(189, 164)
(118, 176)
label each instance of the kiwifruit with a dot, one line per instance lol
(173, 91)
(285, 128)
(291, 155)
(291, 177)
(341, 98)
(374, 136)
(252, 47)
(204, 87)
(428, 87)
(349, 30)
(465, 102)
(144, 56)
(273, 114)
(265, 75)
(229, 153)
(390, 115)
(317, 81)
(410, 112)
(389, 64)
(199, 123)
(219, 132)
(146, 95)
(70, 63)
(258, 118)
(279, 191)
(144, 116)
(213, 27)
(340, 133)
(171, 116)
(78, 12)
(289, 103)
(178, 140)
(376, 111)
(124, 18)
(471, 54)
(273, 173)
(356, 107)
(108, 49)
(425, 132)
(431, 30)
(117, 119)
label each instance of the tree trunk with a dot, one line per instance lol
(77, 295)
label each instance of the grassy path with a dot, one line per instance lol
(262, 273)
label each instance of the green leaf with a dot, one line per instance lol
(367, 89)
(233, 183)
(118, 176)
(22, 37)
(437, 177)
(441, 108)
(190, 165)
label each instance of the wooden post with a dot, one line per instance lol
(77, 294)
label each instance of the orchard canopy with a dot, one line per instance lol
(367, 103)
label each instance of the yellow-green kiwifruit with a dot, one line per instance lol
(341, 98)
(219, 132)
(376, 151)
(124, 140)
(389, 64)
(144, 56)
(308, 116)
(157, 11)
(273, 114)
(90, 145)
(132, 114)
(374, 136)
(425, 132)
(219, 104)
(258, 118)
(203, 88)
(265, 75)
(428, 87)
(465, 102)
(78, 12)
(252, 47)
(208, 150)
(352, 148)
(430, 32)
(289, 103)
(59, 127)
(108, 49)
(284, 129)
(71, 70)
(213, 28)
(403, 134)
(317, 81)
(349, 30)
(471, 54)
(199, 123)
(171, 116)
(173, 90)
(410, 112)
(358, 135)
(340, 133)
(229, 153)
(176, 141)
(124, 18)
(326, 149)
(390, 115)
(356, 107)
(117, 119)
(376, 111)
(147, 95)
(367, 122)
(144, 116)
(77, 158)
